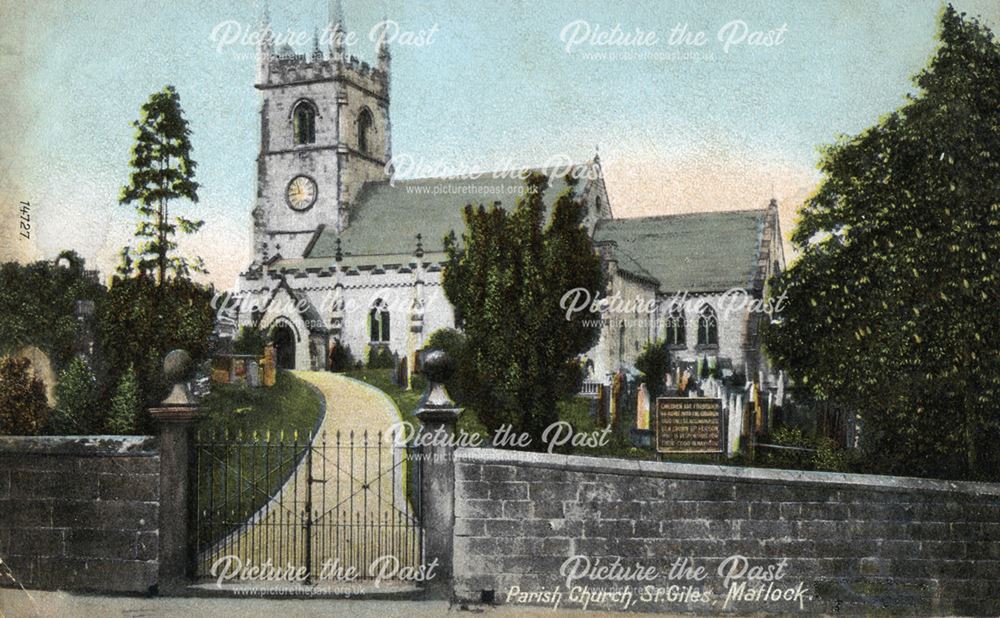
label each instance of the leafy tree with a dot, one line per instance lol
(126, 405)
(139, 322)
(76, 400)
(162, 171)
(506, 280)
(23, 408)
(654, 363)
(891, 308)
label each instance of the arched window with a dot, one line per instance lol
(676, 327)
(708, 326)
(364, 128)
(378, 322)
(304, 123)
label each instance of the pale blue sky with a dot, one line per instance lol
(724, 130)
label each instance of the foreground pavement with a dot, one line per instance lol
(44, 604)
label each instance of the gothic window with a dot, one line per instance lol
(378, 322)
(304, 123)
(708, 326)
(364, 129)
(676, 327)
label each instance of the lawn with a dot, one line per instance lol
(248, 443)
(290, 405)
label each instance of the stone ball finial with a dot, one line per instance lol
(176, 365)
(438, 366)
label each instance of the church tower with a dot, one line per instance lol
(324, 132)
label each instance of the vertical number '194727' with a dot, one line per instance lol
(25, 219)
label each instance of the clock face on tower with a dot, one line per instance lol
(301, 193)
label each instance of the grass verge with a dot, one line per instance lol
(249, 442)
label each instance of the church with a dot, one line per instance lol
(344, 254)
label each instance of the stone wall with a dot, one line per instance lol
(850, 543)
(79, 513)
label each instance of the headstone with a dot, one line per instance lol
(642, 411)
(270, 367)
(253, 373)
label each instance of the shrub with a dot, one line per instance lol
(379, 357)
(341, 358)
(789, 458)
(824, 455)
(831, 458)
(76, 400)
(125, 405)
(654, 363)
(23, 408)
(250, 341)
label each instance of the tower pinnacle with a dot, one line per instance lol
(265, 47)
(337, 28)
(317, 53)
(384, 57)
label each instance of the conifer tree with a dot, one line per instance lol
(162, 172)
(125, 405)
(76, 400)
(506, 281)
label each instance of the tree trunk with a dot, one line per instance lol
(161, 236)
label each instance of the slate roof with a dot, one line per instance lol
(387, 217)
(697, 252)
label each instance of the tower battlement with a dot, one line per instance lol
(284, 69)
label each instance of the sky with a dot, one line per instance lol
(679, 126)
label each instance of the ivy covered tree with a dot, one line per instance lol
(162, 172)
(506, 280)
(38, 305)
(892, 306)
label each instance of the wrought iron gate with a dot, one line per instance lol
(323, 503)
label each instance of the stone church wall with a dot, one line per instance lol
(855, 542)
(732, 327)
(638, 328)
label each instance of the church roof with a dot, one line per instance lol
(697, 252)
(308, 312)
(387, 217)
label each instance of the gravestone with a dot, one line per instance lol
(253, 373)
